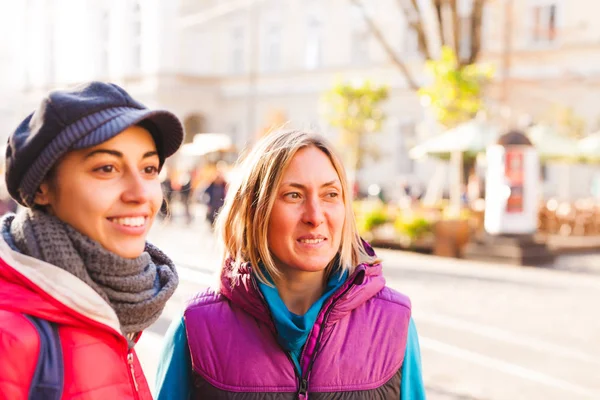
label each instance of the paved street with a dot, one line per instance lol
(487, 331)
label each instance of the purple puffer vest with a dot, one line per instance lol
(354, 351)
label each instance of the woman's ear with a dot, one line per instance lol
(42, 196)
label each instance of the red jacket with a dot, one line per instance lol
(97, 363)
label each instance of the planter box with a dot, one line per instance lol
(451, 236)
(421, 245)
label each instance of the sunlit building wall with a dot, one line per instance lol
(231, 66)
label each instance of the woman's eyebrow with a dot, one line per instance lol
(117, 153)
(104, 151)
(301, 186)
(150, 154)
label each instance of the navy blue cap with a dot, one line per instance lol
(79, 118)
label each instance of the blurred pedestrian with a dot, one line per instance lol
(78, 281)
(302, 307)
(216, 192)
(167, 189)
(186, 195)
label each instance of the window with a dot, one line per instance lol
(273, 47)
(49, 33)
(356, 15)
(104, 38)
(410, 41)
(465, 7)
(237, 50)
(313, 43)
(544, 23)
(409, 37)
(28, 34)
(464, 47)
(488, 20)
(359, 39)
(136, 36)
(51, 49)
(360, 47)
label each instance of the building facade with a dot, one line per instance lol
(240, 66)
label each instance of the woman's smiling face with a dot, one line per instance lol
(307, 219)
(110, 192)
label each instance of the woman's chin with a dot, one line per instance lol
(313, 265)
(127, 250)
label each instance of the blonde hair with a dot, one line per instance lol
(243, 222)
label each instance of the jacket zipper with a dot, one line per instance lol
(302, 395)
(302, 392)
(132, 370)
(302, 379)
(302, 382)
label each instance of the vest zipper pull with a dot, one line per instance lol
(302, 392)
(130, 362)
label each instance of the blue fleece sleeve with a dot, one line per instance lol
(411, 387)
(174, 374)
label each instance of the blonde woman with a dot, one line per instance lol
(302, 308)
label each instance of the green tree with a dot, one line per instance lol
(455, 93)
(454, 28)
(356, 111)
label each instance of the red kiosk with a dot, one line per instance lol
(511, 205)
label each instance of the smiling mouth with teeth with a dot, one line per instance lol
(129, 221)
(311, 241)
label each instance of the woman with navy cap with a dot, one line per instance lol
(78, 281)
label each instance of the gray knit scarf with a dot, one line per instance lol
(137, 289)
